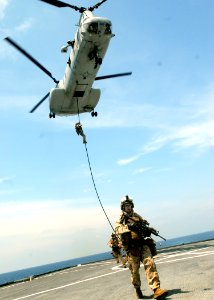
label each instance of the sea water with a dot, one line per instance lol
(10, 277)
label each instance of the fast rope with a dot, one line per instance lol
(92, 177)
(89, 164)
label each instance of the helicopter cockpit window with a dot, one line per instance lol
(108, 29)
(93, 28)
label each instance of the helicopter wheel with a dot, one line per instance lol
(51, 115)
(94, 114)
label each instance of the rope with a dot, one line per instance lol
(92, 177)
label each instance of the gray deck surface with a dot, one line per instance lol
(186, 271)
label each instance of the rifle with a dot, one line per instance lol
(143, 226)
(147, 231)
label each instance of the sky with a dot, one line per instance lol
(153, 138)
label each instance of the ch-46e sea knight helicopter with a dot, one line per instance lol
(74, 93)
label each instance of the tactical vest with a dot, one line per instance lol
(135, 240)
(131, 239)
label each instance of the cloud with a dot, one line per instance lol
(24, 26)
(199, 136)
(189, 126)
(41, 232)
(144, 114)
(45, 231)
(3, 6)
(196, 135)
(129, 160)
(141, 170)
(152, 146)
(6, 179)
(39, 217)
(5, 49)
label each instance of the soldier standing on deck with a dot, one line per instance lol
(137, 248)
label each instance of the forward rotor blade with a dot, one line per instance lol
(14, 44)
(96, 5)
(113, 75)
(60, 4)
(39, 103)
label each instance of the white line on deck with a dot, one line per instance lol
(118, 269)
(70, 284)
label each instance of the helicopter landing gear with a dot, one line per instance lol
(94, 114)
(51, 115)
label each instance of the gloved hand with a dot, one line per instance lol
(146, 232)
(134, 226)
(131, 226)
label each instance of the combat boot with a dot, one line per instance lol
(159, 293)
(139, 293)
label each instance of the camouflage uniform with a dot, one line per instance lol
(137, 251)
(116, 246)
(79, 131)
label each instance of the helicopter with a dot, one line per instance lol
(74, 94)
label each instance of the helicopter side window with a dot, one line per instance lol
(108, 29)
(93, 28)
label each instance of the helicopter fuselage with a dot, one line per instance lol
(74, 93)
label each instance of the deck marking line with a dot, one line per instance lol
(111, 273)
(182, 258)
(64, 286)
(181, 254)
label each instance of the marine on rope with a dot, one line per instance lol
(79, 131)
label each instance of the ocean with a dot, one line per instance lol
(14, 276)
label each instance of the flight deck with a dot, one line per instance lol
(186, 271)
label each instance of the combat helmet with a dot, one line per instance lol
(128, 200)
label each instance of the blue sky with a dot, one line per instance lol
(153, 138)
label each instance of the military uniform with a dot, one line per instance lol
(116, 247)
(138, 250)
(79, 131)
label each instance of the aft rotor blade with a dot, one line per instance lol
(60, 4)
(96, 5)
(14, 44)
(39, 103)
(113, 75)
